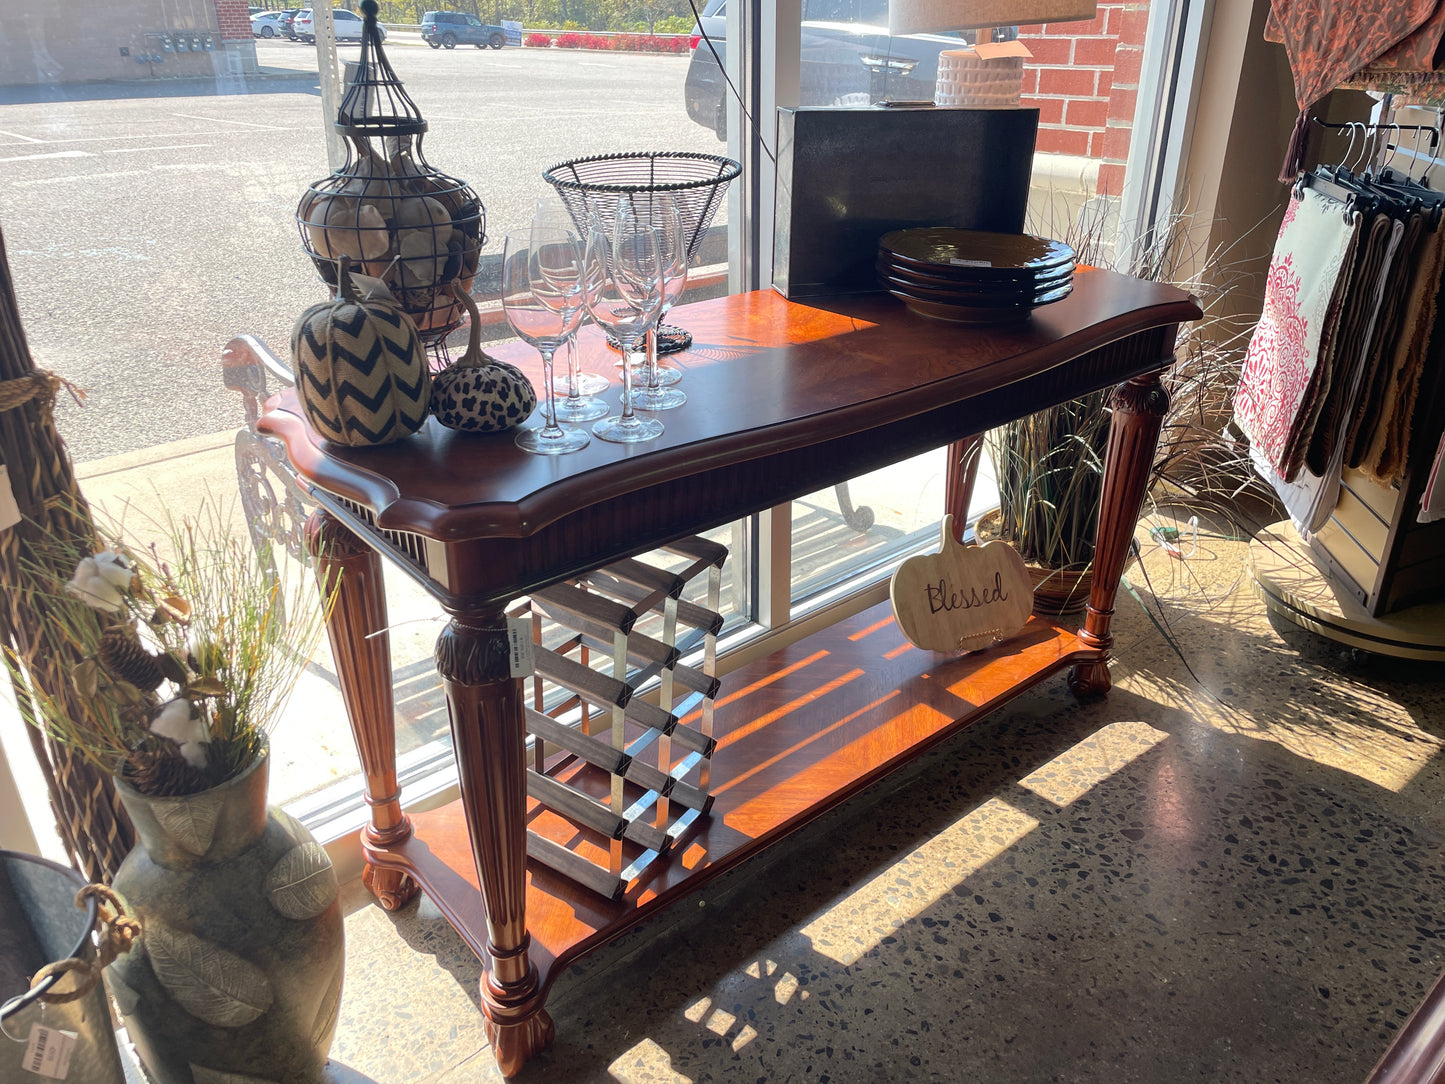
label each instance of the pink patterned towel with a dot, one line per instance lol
(1302, 300)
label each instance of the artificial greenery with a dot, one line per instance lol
(1049, 465)
(188, 649)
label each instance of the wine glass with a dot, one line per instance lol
(659, 210)
(581, 389)
(622, 271)
(542, 299)
(574, 406)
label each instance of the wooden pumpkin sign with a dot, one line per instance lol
(360, 368)
(962, 598)
(477, 393)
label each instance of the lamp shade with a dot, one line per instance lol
(935, 16)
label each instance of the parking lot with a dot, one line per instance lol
(146, 226)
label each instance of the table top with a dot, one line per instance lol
(784, 397)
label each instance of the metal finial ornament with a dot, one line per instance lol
(398, 218)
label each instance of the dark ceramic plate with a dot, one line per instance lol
(976, 314)
(975, 253)
(963, 286)
(1011, 299)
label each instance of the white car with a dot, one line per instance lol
(266, 24)
(348, 25)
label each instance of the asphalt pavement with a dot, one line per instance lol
(146, 226)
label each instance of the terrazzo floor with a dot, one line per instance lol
(1227, 870)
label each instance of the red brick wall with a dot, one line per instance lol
(234, 19)
(1084, 80)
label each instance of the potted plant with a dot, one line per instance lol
(1049, 468)
(1049, 465)
(187, 651)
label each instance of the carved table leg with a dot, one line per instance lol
(485, 704)
(1139, 408)
(362, 649)
(959, 479)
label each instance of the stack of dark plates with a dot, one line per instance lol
(972, 277)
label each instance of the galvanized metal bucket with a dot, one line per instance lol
(40, 924)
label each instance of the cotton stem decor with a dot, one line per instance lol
(94, 828)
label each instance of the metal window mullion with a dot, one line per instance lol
(323, 26)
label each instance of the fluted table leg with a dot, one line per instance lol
(485, 703)
(1139, 408)
(362, 649)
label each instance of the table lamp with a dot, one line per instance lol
(990, 74)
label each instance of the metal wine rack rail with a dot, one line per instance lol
(619, 789)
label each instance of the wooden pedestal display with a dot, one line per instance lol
(1293, 586)
(616, 785)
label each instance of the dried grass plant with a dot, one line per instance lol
(1049, 465)
(188, 651)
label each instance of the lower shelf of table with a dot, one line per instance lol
(798, 732)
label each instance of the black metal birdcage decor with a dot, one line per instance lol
(399, 219)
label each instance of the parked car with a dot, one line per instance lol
(448, 29)
(266, 24)
(714, 20)
(847, 58)
(348, 25)
(286, 23)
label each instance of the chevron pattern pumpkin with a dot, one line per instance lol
(360, 368)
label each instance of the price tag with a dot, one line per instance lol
(519, 641)
(9, 510)
(48, 1052)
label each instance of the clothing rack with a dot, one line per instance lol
(1371, 548)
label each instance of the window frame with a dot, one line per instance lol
(764, 66)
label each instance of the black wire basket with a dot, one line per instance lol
(398, 218)
(696, 182)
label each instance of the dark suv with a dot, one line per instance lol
(448, 29)
(847, 58)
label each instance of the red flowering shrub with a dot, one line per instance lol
(632, 43)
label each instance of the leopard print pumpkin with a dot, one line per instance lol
(485, 398)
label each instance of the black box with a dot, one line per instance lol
(848, 176)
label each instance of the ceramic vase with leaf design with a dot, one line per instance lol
(237, 979)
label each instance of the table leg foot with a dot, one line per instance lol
(1089, 680)
(516, 1042)
(392, 888)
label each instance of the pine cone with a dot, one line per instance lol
(124, 657)
(164, 774)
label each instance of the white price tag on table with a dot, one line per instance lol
(519, 640)
(48, 1052)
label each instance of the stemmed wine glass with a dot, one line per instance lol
(622, 269)
(542, 299)
(581, 389)
(659, 210)
(574, 406)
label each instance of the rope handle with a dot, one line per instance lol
(118, 935)
(41, 384)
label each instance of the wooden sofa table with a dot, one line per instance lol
(784, 398)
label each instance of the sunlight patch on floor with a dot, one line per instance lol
(646, 1063)
(856, 924)
(1338, 723)
(1076, 771)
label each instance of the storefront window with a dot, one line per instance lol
(1084, 79)
(153, 158)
